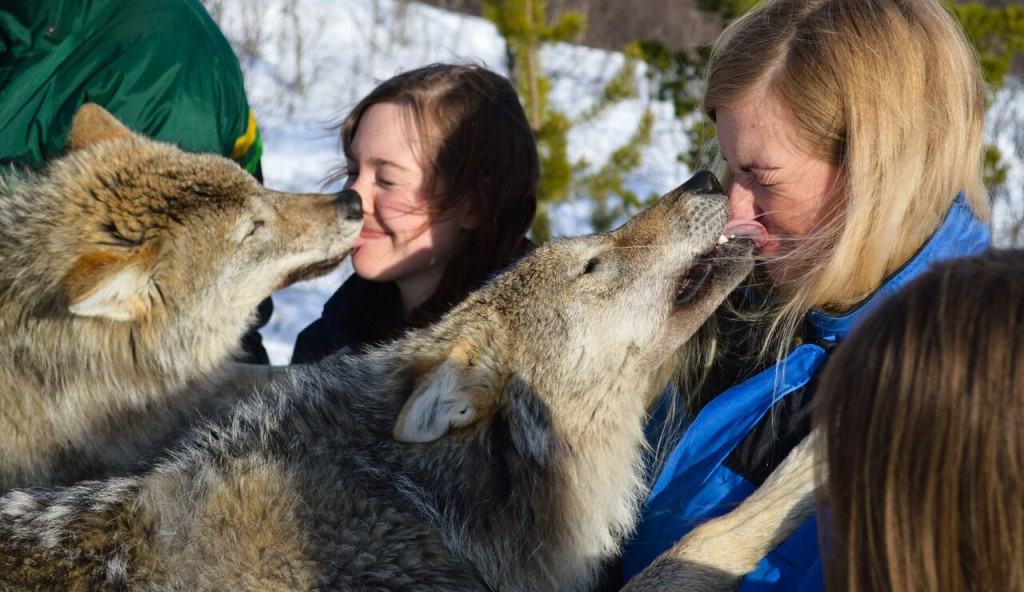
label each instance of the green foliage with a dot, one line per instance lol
(703, 145)
(609, 180)
(677, 77)
(569, 26)
(997, 34)
(553, 145)
(725, 9)
(606, 186)
(621, 87)
(523, 24)
(996, 169)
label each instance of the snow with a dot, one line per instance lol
(315, 62)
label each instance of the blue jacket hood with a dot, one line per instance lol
(960, 234)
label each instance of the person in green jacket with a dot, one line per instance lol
(162, 67)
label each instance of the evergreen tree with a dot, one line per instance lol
(606, 187)
(997, 34)
(524, 26)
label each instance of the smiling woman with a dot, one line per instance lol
(446, 166)
(400, 242)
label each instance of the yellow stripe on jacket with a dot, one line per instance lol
(243, 143)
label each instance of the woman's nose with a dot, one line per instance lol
(741, 203)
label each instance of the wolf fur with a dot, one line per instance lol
(129, 270)
(500, 449)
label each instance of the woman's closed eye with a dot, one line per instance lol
(750, 179)
(753, 182)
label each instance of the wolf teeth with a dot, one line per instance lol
(724, 239)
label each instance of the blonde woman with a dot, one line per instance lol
(922, 417)
(852, 131)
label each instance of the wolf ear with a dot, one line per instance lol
(94, 124)
(453, 393)
(102, 285)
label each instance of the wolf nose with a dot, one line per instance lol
(703, 182)
(351, 203)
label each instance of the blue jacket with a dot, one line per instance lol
(694, 485)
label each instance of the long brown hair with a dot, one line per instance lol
(479, 150)
(923, 416)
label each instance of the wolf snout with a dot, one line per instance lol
(351, 204)
(703, 182)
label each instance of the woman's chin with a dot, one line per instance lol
(364, 266)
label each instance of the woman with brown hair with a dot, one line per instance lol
(447, 168)
(922, 418)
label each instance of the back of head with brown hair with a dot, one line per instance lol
(923, 412)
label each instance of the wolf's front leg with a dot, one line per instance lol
(717, 554)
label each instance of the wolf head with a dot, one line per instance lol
(128, 230)
(164, 223)
(129, 271)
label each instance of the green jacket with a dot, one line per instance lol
(162, 67)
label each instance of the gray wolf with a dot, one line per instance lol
(499, 449)
(129, 270)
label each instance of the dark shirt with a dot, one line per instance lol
(358, 315)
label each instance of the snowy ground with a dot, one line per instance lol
(302, 83)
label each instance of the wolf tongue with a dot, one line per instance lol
(744, 229)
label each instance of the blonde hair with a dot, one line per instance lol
(922, 420)
(889, 91)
